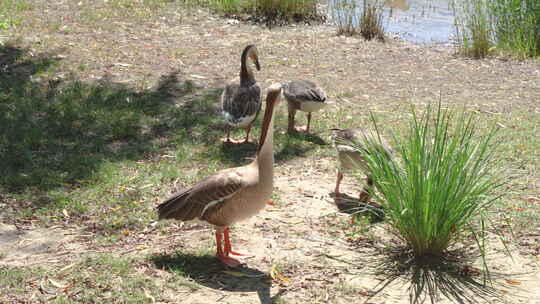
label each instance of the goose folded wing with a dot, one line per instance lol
(193, 201)
(304, 90)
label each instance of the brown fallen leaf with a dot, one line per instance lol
(512, 282)
(126, 232)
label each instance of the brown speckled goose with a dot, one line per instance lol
(232, 194)
(347, 142)
(241, 99)
(302, 95)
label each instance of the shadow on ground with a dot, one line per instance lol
(208, 271)
(432, 279)
(56, 132)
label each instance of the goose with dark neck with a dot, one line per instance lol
(241, 99)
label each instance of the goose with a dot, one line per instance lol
(231, 194)
(241, 99)
(347, 143)
(305, 96)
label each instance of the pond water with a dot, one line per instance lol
(421, 21)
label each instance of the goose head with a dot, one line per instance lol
(252, 52)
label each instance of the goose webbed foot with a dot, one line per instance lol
(224, 252)
(232, 141)
(302, 129)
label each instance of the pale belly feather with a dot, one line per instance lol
(311, 106)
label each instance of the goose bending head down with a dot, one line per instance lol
(241, 99)
(302, 95)
(232, 194)
(348, 143)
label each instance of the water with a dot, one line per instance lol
(420, 21)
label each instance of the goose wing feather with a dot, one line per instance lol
(303, 90)
(347, 139)
(192, 202)
(241, 101)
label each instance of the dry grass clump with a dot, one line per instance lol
(270, 12)
(352, 20)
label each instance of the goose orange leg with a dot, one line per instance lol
(365, 195)
(229, 140)
(223, 254)
(338, 181)
(247, 134)
(290, 126)
(228, 248)
(308, 121)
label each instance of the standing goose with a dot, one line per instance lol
(232, 194)
(347, 143)
(305, 96)
(241, 99)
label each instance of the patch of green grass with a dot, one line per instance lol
(520, 159)
(15, 281)
(100, 278)
(9, 12)
(103, 278)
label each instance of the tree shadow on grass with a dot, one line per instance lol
(238, 154)
(208, 271)
(57, 132)
(310, 137)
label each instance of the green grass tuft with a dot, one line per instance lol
(443, 181)
(9, 12)
(511, 26)
(474, 29)
(517, 26)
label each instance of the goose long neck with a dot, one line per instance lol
(265, 153)
(246, 74)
